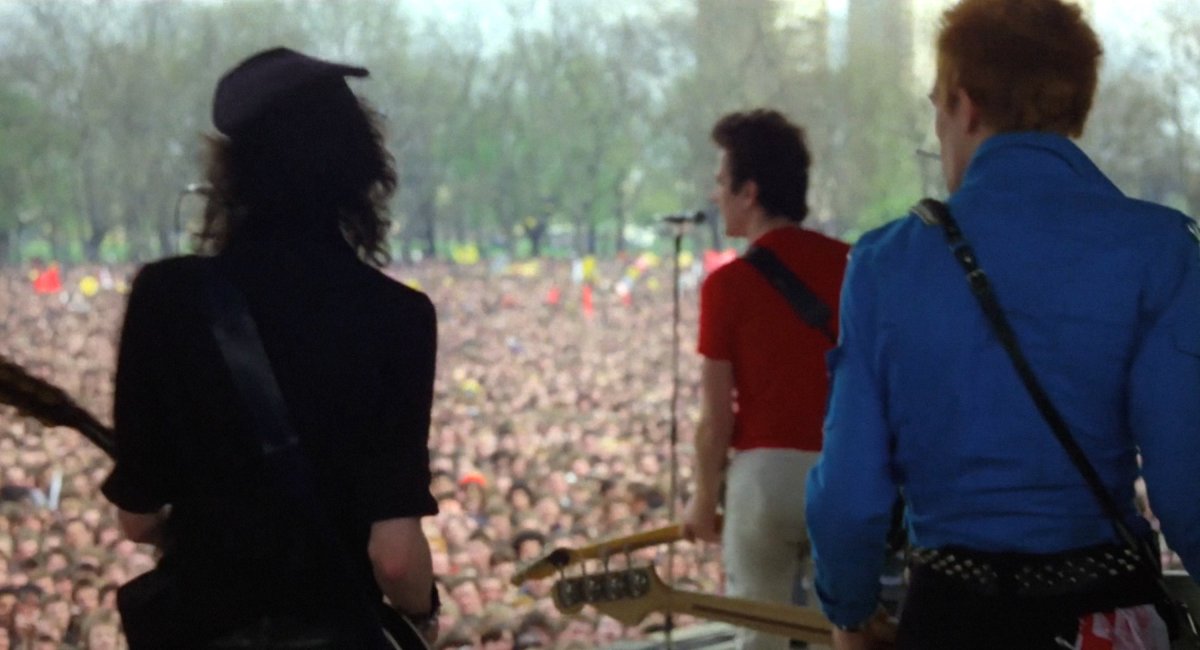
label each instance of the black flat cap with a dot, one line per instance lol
(255, 84)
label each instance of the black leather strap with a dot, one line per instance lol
(1174, 612)
(243, 352)
(935, 212)
(803, 301)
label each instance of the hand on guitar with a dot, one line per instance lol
(701, 522)
(878, 634)
(843, 640)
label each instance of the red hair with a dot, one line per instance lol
(1030, 65)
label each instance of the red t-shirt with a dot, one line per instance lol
(778, 360)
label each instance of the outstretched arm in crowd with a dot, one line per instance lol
(713, 435)
(402, 562)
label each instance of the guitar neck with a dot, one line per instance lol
(803, 623)
(630, 543)
(100, 435)
(562, 558)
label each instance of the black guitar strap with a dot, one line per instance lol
(243, 352)
(934, 212)
(803, 301)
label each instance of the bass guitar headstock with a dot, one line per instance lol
(562, 558)
(628, 595)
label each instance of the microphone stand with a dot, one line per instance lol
(179, 226)
(678, 228)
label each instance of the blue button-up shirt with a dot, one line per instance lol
(1104, 294)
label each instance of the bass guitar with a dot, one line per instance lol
(629, 595)
(52, 406)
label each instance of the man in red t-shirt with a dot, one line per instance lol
(764, 380)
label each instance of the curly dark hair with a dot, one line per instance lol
(316, 161)
(763, 146)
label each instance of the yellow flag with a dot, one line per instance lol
(89, 286)
(465, 254)
(526, 269)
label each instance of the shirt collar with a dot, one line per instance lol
(1032, 154)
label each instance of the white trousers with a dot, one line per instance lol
(764, 539)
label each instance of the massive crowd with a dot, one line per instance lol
(551, 428)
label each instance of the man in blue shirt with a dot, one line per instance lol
(1103, 293)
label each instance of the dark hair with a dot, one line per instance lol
(316, 162)
(1030, 65)
(502, 553)
(536, 619)
(763, 146)
(495, 632)
(525, 535)
(519, 485)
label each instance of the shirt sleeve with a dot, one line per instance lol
(1164, 394)
(716, 334)
(141, 480)
(850, 491)
(395, 478)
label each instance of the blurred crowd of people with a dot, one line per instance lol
(551, 427)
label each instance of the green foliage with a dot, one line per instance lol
(564, 130)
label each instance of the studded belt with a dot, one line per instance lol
(1032, 575)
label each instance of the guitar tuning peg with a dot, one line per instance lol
(595, 588)
(569, 595)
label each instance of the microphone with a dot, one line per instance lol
(197, 188)
(695, 217)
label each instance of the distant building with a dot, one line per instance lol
(881, 33)
(904, 28)
(809, 19)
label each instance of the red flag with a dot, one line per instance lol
(48, 281)
(588, 308)
(553, 296)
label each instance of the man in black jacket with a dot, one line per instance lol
(299, 178)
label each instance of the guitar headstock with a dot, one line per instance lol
(48, 403)
(561, 558)
(628, 595)
(546, 566)
(31, 395)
